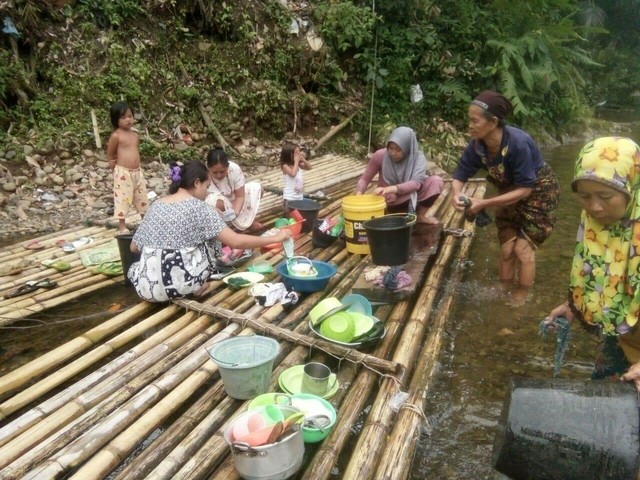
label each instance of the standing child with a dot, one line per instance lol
(292, 162)
(129, 186)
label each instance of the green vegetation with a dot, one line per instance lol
(241, 62)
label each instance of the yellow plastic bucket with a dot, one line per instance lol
(356, 210)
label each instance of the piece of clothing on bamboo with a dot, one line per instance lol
(605, 274)
(129, 190)
(430, 187)
(293, 186)
(179, 246)
(518, 163)
(225, 190)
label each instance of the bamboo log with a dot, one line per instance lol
(396, 459)
(284, 334)
(69, 371)
(367, 451)
(166, 359)
(10, 317)
(50, 360)
(333, 130)
(46, 408)
(96, 130)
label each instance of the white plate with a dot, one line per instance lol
(252, 277)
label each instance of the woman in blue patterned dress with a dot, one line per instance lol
(180, 238)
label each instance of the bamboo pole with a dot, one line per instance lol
(370, 442)
(69, 371)
(50, 360)
(284, 334)
(30, 418)
(182, 344)
(12, 316)
(396, 458)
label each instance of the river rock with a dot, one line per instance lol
(65, 154)
(100, 204)
(27, 149)
(88, 153)
(10, 154)
(40, 181)
(77, 176)
(9, 186)
(101, 164)
(69, 194)
(57, 179)
(47, 169)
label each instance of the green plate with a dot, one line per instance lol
(270, 398)
(291, 381)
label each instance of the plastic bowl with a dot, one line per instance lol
(324, 307)
(311, 434)
(357, 303)
(339, 326)
(307, 284)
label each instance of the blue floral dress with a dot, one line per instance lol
(178, 248)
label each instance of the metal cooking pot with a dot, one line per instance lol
(276, 461)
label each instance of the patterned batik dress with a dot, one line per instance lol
(178, 249)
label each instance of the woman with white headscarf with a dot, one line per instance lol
(402, 176)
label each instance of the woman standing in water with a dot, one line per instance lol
(528, 191)
(402, 176)
(604, 290)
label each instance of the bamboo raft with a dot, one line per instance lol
(138, 397)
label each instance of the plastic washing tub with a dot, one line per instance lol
(307, 284)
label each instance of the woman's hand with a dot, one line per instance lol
(386, 190)
(285, 234)
(562, 310)
(477, 204)
(633, 375)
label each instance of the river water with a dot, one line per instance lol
(488, 341)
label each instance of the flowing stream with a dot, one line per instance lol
(488, 340)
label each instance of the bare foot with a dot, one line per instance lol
(428, 220)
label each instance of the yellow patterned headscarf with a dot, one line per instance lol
(605, 280)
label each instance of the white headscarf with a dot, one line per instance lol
(413, 165)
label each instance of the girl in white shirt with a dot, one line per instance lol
(292, 162)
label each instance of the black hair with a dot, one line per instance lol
(217, 156)
(490, 116)
(117, 111)
(187, 175)
(286, 155)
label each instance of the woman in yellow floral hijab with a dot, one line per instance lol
(604, 290)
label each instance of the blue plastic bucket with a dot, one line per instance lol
(245, 364)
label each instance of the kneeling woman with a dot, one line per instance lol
(231, 194)
(402, 176)
(179, 238)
